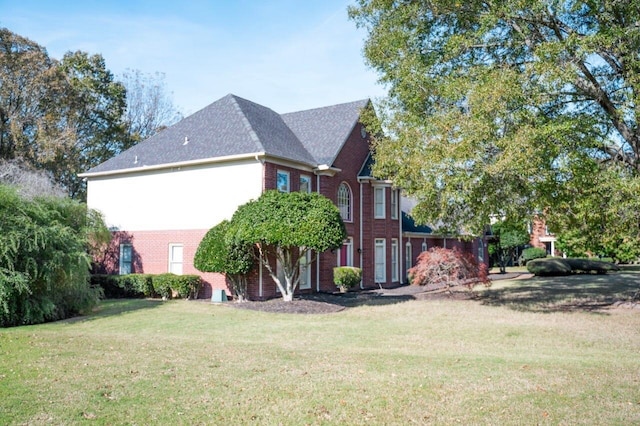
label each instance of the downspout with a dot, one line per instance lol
(318, 254)
(260, 282)
(400, 259)
(361, 238)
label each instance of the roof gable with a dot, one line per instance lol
(323, 131)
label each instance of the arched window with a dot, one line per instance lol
(344, 201)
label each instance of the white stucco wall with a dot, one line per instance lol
(196, 197)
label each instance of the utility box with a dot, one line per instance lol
(218, 296)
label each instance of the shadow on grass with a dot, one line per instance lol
(580, 292)
(115, 307)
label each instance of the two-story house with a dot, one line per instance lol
(161, 196)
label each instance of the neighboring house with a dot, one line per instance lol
(161, 196)
(541, 237)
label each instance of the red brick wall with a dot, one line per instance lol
(151, 255)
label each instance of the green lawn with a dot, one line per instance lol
(502, 359)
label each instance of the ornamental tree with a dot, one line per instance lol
(285, 227)
(218, 253)
(495, 107)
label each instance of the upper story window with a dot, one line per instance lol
(378, 200)
(394, 204)
(282, 181)
(344, 201)
(305, 183)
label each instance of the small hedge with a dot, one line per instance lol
(124, 286)
(531, 253)
(346, 277)
(558, 266)
(148, 285)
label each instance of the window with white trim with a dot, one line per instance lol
(282, 181)
(305, 183)
(395, 270)
(424, 246)
(381, 261)
(175, 258)
(126, 256)
(378, 200)
(305, 271)
(408, 257)
(344, 202)
(394, 204)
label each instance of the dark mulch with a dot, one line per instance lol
(326, 303)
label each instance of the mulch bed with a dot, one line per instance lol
(326, 303)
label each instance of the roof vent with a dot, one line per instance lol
(135, 160)
(186, 140)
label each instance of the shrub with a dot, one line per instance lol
(124, 286)
(44, 266)
(443, 268)
(532, 253)
(346, 277)
(162, 285)
(588, 265)
(187, 286)
(557, 266)
(549, 267)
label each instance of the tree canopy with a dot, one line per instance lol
(66, 116)
(285, 227)
(507, 107)
(219, 253)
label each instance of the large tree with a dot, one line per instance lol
(496, 107)
(284, 227)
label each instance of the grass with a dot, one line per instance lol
(412, 362)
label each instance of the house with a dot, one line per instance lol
(161, 196)
(541, 237)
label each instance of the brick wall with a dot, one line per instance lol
(151, 255)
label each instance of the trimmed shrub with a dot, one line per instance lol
(589, 266)
(532, 253)
(124, 286)
(443, 268)
(346, 277)
(187, 286)
(162, 284)
(549, 267)
(557, 266)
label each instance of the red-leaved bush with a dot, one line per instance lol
(443, 268)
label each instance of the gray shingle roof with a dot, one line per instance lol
(234, 126)
(323, 131)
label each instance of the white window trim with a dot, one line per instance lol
(305, 271)
(174, 262)
(380, 243)
(283, 173)
(408, 256)
(121, 261)
(348, 217)
(380, 189)
(395, 251)
(394, 204)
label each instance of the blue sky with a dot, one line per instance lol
(287, 55)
